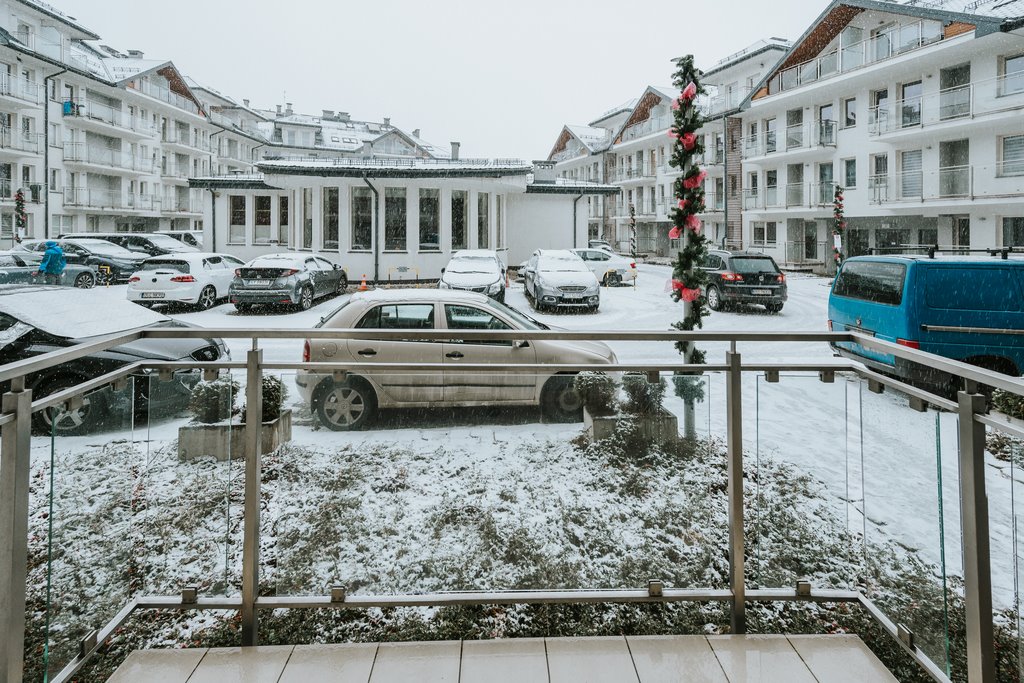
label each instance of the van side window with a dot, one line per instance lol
(972, 289)
(876, 281)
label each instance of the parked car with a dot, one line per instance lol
(39, 319)
(192, 238)
(611, 269)
(113, 264)
(15, 268)
(477, 270)
(740, 277)
(286, 279)
(967, 309)
(352, 404)
(558, 278)
(200, 279)
(604, 245)
(148, 243)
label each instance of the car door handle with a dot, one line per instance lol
(455, 354)
(367, 352)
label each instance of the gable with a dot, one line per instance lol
(642, 111)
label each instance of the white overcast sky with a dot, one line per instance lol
(500, 77)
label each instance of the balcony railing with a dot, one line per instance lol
(1002, 180)
(109, 199)
(752, 200)
(648, 127)
(21, 88)
(171, 169)
(171, 204)
(111, 158)
(21, 141)
(164, 95)
(751, 507)
(104, 113)
(806, 135)
(184, 139)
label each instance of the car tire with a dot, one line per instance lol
(714, 298)
(773, 308)
(85, 420)
(342, 284)
(345, 407)
(207, 298)
(559, 400)
(612, 280)
(85, 281)
(306, 298)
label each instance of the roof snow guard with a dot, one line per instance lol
(396, 168)
(233, 181)
(569, 186)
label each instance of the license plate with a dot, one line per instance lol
(572, 297)
(153, 295)
(257, 283)
(761, 292)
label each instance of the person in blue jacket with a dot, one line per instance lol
(53, 263)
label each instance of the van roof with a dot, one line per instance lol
(1015, 260)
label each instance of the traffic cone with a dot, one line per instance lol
(362, 285)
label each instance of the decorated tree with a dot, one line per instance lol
(839, 227)
(20, 215)
(687, 276)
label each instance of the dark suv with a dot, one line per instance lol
(739, 277)
(148, 243)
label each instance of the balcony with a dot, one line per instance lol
(184, 139)
(171, 204)
(954, 184)
(165, 95)
(83, 154)
(20, 92)
(17, 143)
(646, 128)
(753, 514)
(809, 135)
(627, 174)
(102, 118)
(109, 200)
(175, 171)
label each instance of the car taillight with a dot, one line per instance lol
(305, 352)
(732, 277)
(238, 272)
(134, 278)
(288, 273)
(633, 266)
(909, 344)
(782, 277)
(183, 278)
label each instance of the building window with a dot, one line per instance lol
(307, 218)
(483, 216)
(849, 173)
(236, 226)
(1013, 231)
(764, 233)
(430, 220)
(282, 220)
(1011, 75)
(850, 112)
(1011, 155)
(362, 219)
(395, 224)
(261, 233)
(460, 217)
(330, 219)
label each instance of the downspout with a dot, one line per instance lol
(376, 229)
(574, 202)
(46, 153)
(213, 219)
(725, 184)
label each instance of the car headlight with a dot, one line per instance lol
(494, 288)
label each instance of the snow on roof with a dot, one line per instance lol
(72, 314)
(570, 183)
(999, 9)
(394, 163)
(55, 13)
(753, 48)
(624, 107)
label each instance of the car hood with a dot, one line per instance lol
(72, 313)
(470, 279)
(566, 279)
(162, 348)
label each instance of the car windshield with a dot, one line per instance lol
(168, 243)
(521, 320)
(754, 264)
(878, 282)
(165, 264)
(106, 249)
(473, 264)
(562, 265)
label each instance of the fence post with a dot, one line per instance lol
(251, 525)
(15, 451)
(734, 425)
(977, 567)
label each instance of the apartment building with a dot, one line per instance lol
(913, 108)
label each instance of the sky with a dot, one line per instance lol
(502, 78)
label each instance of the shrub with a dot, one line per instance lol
(1008, 404)
(643, 397)
(214, 401)
(597, 390)
(274, 394)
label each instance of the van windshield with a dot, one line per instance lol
(878, 282)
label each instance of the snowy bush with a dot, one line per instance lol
(214, 401)
(597, 390)
(643, 397)
(1008, 404)
(274, 394)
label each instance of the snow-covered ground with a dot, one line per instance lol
(879, 460)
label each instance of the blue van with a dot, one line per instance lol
(964, 308)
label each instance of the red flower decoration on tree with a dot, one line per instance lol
(695, 181)
(689, 92)
(675, 233)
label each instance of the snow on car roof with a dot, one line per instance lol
(475, 253)
(277, 260)
(72, 313)
(190, 256)
(417, 295)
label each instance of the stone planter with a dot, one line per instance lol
(661, 428)
(225, 439)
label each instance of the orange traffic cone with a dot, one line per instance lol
(362, 285)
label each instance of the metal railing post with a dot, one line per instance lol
(253, 471)
(15, 451)
(977, 566)
(734, 425)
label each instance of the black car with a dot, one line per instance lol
(38, 319)
(294, 280)
(149, 244)
(740, 277)
(112, 263)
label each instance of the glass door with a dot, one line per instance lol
(955, 92)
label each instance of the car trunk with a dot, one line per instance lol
(760, 276)
(164, 279)
(259, 278)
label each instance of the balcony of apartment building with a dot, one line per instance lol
(105, 119)
(233, 155)
(109, 201)
(998, 183)
(83, 155)
(184, 140)
(645, 129)
(712, 106)
(957, 109)
(16, 143)
(734, 528)
(181, 204)
(171, 171)
(18, 93)
(164, 94)
(630, 175)
(796, 141)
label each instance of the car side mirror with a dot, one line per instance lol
(442, 271)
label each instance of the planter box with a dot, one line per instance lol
(660, 428)
(227, 439)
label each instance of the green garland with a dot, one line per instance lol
(840, 223)
(20, 215)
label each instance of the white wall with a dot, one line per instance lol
(544, 221)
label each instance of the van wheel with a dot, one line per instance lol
(560, 402)
(345, 407)
(714, 298)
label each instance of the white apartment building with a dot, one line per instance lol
(914, 109)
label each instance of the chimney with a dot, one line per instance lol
(344, 117)
(246, 103)
(543, 172)
(279, 110)
(135, 54)
(367, 149)
(455, 150)
(328, 114)
(416, 133)
(288, 109)
(387, 121)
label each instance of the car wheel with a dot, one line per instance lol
(87, 418)
(773, 308)
(306, 298)
(243, 308)
(342, 284)
(85, 281)
(714, 298)
(207, 298)
(345, 407)
(612, 280)
(559, 401)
